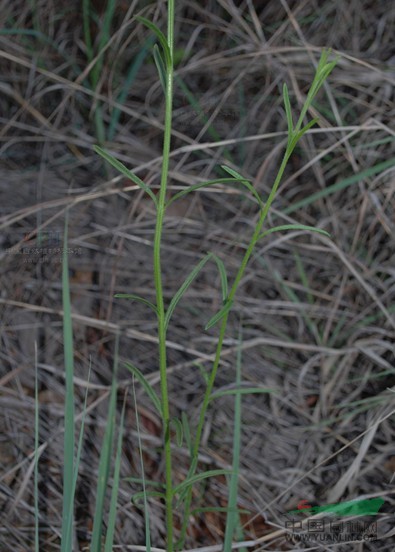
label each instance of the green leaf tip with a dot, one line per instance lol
(160, 36)
(125, 171)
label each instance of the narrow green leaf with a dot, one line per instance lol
(307, 127)
(188, 281)
(199, 477)
(68, 468)
(232, 516)
(105, 461)
(242, 391)
(134, 297)
(125, 171)
(294, 227)
(220, 314)
(80, 441)
(160, 36)
(236, 175)
(186, 431)
(36, 453)
(108, 547)
(149, 482)
(239, 178)
(160, 67)
(146, 494)
(179, 430)
(146, 385)
(202, 370)
(184, 492)
(288, 110)
(223, 276)
(195, 187)
(303, 277)
(146, 509)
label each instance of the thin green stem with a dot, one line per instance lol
(158, 282)
(222, 333)
(294, 135)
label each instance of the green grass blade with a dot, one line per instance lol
(223, 276)
(68, 468)
(195, 187)
(199, 477)
(232, 515)
(146, 385)
(219, 315)
(144, 493)
(188, 281)
(134, 297)
(186, 431)
(104, 39)
(105, 460)
(115, 486)
(179, 430)
(160, 65)
(294, 227)
(125, 171)
(239, 178)
(160, 36)
(86, 28)
(36, 454)
(149, 482)
(288, 110)
(303, 278)
(79, 446)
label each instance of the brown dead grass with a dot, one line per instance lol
(318, 315)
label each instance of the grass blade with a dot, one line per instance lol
(188, 281)
(68, 468)
(179, 430)
(144, 494)
(223, 276)
(199, 477)
(205, 184)
(79, 447)
(36, 453)
(146, 385)
(115, 486)
(160, 67)
(125, 171)
(134, 297)
(220, 314)
(186, 431)
(294, 227)
(239, 178)
(160, 36)
(288, 110)
(232, 515)
(105, 460)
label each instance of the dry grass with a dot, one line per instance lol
(318, 315)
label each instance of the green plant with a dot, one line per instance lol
(181, 494)
(164, 59)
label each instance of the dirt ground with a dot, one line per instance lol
(317, 314)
